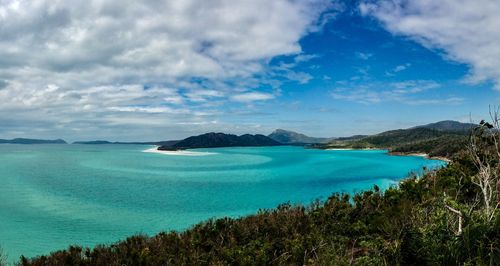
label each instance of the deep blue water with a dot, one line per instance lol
(52, 196)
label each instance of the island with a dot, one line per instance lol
(219, 140)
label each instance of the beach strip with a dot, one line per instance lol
(178, 153)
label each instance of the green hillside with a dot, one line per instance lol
(432, 141)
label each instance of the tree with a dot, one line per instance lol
(484, 150)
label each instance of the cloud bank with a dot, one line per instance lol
(75, 65)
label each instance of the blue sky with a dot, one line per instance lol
(166, 70)
(357, 60)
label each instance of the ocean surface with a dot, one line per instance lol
(52, 196)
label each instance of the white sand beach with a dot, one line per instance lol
(425, 155)
(179, 153)
(352, 149)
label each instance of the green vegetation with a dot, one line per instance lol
(444, 146)
(421, 139)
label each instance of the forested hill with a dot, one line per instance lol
(443, 138)
(449, 125)
(217, 140)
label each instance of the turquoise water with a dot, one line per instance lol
(52, 196)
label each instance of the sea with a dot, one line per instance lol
(53, 196)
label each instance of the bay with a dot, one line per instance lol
(52, 196)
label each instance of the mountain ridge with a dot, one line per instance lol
(292, 137)
(448, 125)
(32, 141)
(105, 142)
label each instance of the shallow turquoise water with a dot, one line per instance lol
(52, 196)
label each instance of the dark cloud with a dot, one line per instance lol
(3, 84)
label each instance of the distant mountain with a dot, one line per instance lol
(291, 137)
(104, 142)
(449, 125)
(94, 142)
(164, 143)
(31, 141)
(215, 140)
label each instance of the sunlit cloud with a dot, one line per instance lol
(63, 62)
(467, 31)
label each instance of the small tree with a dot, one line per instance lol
(484, 150)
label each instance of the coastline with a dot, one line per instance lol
(178, 152)
(352, 149)
(420, 154)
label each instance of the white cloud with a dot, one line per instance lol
(468, 31)
(146, 109)
(364, 56)
(444, 101)
(406, 92)
(153, 39)
(400, 68)
(252, 96)
(300, 77)
(203, 95)
(361, 94)
(413, 86)
(286, 70)
(304, 57)
(70, 64)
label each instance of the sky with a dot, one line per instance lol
(160, 70)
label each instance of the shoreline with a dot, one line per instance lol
(352, 149)
(178, 153)
(197, 153)
(420, 154)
